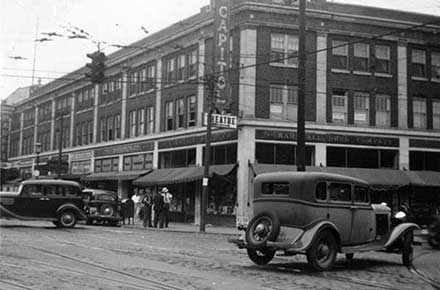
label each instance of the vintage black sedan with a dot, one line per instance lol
(59, 201)
(320, 215)
(102, 207)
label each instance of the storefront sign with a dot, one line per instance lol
(138, 162)
(200, 139)
(107, 165)
(81, 167)
(422, 143)
(328, 138)
(219, 120)
(84, 155)
(124, 149)
(221, 50)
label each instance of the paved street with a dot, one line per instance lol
(37, 256)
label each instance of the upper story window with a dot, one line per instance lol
(169, 117)
(149, 114)
(339, 106)
(284, 49)
(103, 129)
(361, 108)
(382, 54)
(29, 117)
(45, 112)
(361, 57)
(85, 99)
(418, 60)
(435, 65)
(419, 113)
(181, 67)
(170, 71)
(63, 105)
(180, 113)
(132, 124)
(340, 54)
(383, 110)
(117, 126)
(111, 90)
(141, 121)
(436, 114)
(151, 77)
(192, 64)
(191, 111)
(283, 102)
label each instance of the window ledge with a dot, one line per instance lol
(435, 80)
(277, 64)
(362, 73)
(383, 75)
(340, 71)
(419, 79)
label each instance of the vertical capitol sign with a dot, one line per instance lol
(221, 52)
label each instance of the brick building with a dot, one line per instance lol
(372, 102)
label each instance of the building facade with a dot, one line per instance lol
(372, 101)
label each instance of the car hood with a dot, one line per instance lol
(8, 194)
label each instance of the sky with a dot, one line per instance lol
(118, 22)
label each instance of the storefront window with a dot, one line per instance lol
(178, 158)
(271, 153)
(362, 158)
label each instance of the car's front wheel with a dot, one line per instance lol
(67, 219)
(260, 256)
(322, 253)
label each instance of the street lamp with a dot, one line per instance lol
(37, 148)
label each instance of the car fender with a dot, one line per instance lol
(311, 232)
(399, 231)
(73, 207)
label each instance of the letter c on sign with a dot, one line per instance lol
(223, 11)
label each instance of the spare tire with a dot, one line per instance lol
(262, 228)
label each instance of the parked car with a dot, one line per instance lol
(102, 206)
(59, 201)
(320, 215)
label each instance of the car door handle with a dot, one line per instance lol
(44, 198)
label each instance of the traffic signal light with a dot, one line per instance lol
(97, 67)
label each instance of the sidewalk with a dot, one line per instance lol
(190, 228)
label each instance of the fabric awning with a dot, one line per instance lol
(180, 175)
(377, 178)
(424, 178)
(124, 175)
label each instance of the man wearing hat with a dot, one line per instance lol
(167, 196)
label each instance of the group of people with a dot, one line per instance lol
(153, 210)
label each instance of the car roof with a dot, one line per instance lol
(51, 182)
(96, 191)
(307, 176)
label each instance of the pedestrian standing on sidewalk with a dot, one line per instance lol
(167, 196)
(147, 202)
(137, 200)
(158, 207)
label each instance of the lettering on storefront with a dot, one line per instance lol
(194, 140)
(81, 167)
(124, 149)
(84, 155)
(422, 143)
(328, 138)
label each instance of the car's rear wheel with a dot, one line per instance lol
(67, 219)
(262, 228)
(407, 249)
(261, 256)
(322, 253)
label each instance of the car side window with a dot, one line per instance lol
(321, 191)
(275, 188)
(340, 192)
(30, 190)
(71, 191)
(50, 190)
(361, 194)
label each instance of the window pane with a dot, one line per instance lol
(436, 114)
(340, 192)
(275, 188)
(435, 65)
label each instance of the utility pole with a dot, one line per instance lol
(302, 58)
(211, 82)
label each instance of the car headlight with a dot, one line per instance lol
(400, 215)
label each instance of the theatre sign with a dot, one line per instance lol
(219, 120)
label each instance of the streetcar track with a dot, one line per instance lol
(421, 275)
(159, 285)
(14, 284)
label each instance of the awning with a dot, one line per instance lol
(424, 178)
(377, 178)
(180, 175)
(124, 175)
